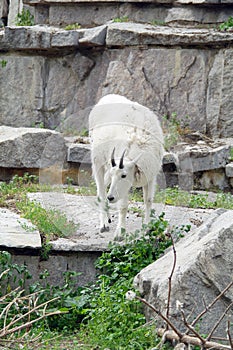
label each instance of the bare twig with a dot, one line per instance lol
(170, 278)
(229, 334)
(187, 339)
(159, 313)
(28, 324)
(164, 318)
(192, 329)
(207, 308)
(218, 321)
(5, 329)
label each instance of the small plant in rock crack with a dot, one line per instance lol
(174, 128)
(227, 25)
(3, 63)
(25, 18)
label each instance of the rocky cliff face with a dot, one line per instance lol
(52, 77)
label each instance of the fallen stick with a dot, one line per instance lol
(187, 339)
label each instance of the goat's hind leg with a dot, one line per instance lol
(102, 202)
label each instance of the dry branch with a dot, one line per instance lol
(170, 277)
(207, 308)
(187, 339)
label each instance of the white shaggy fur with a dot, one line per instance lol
(119, 124)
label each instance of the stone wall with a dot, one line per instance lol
(97, 12)
(51, 77)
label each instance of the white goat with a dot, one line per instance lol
(126, 151)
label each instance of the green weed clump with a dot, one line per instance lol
(25, 18)
(112, 321)
(51, 223)
(73, 26)
(177, 197)
(227, 25)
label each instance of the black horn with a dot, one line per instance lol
(121, 164)
(112, 158)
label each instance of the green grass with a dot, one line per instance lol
(51, 223)
(73, 26)
(177, 197)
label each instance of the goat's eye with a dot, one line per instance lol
(123, 176)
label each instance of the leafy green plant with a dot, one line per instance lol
(73, 26)
(157, 22)
(25, 18)
(227, 24)
(100, 312)
(3, 63)
(121, 19)
(112, 321)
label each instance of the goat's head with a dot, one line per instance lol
(121, 178)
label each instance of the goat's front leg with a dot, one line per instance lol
(102, 202)
(148, 196)
(122, 211)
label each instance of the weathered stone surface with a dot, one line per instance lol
(40, 38)
(17, 232)
(196, 14)
(83, 210)
(79, 153)
(203, 269)
(202, 157)
(229, 170)
(62, 12)
(124, 34)
(94, 36)
(31, 148)
(194, 83)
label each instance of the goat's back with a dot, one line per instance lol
(118, 122)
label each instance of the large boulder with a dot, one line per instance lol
(202, 271)
(31, 148)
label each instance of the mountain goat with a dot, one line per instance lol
(126, 150)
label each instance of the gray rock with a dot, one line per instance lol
(31, 148)
(203, 269)
(17, 232)
(229, 170)
(83, 210)
(202, 157)
(94, 36)
(196, 14)
(123, 34)
(195, 83)
(79, 153)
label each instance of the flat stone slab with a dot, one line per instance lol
(41, 37)
(83, 210)
(16, 232)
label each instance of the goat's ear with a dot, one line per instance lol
(112, 158)
(121, 164)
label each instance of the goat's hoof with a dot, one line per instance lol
(104, 229)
